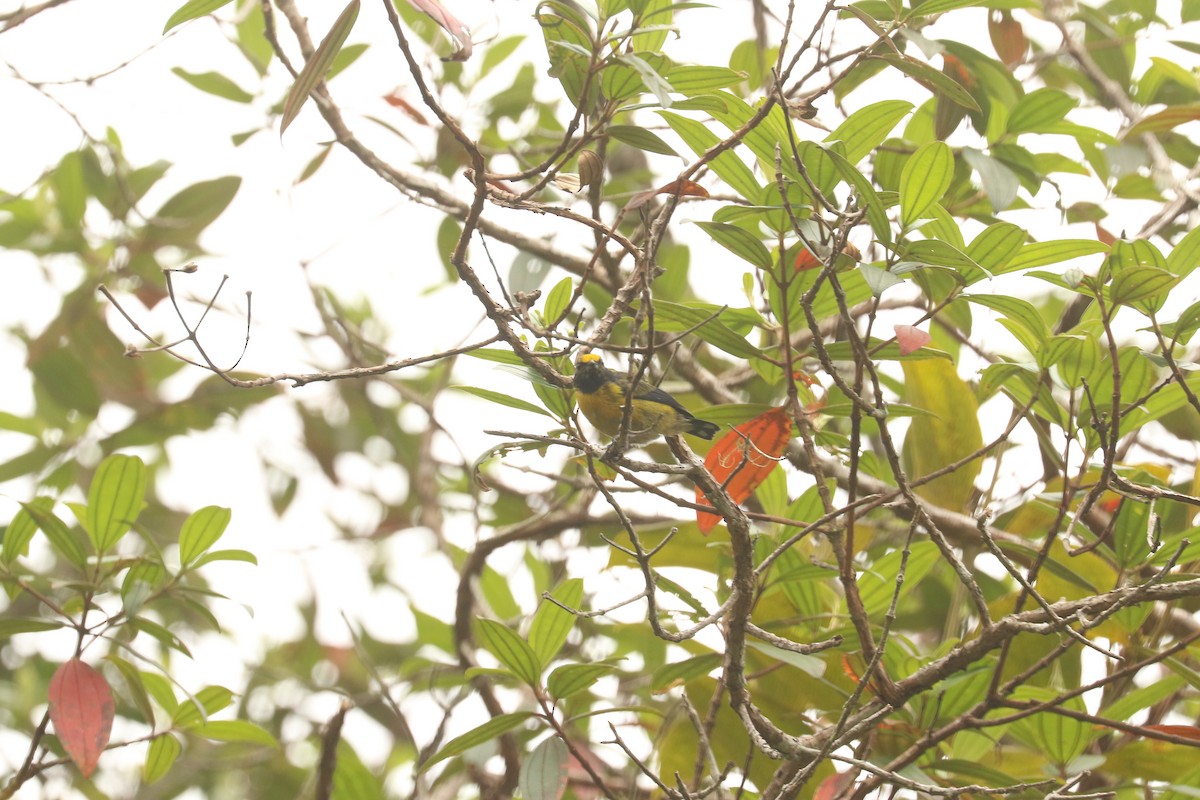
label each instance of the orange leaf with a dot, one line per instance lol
(834, 786)
(1104, 235)
(957, 70)
(678, 188)
(803, 377)
(806, 260)
(1008, 37)
(81, 708)
(743, 458)
(848, 668)
(1186, 731)
(396, 101)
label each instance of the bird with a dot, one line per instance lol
(601, 395)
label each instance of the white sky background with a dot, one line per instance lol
(357, 236)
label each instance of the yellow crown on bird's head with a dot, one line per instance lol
(588, 358)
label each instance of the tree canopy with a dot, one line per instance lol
(927, 265)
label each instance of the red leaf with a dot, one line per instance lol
(744, 457)
(81, 708)
(910, 339)
(1186, 731)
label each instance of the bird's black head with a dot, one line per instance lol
(590, 373)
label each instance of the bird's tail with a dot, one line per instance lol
(702, 428)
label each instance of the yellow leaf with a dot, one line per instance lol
(950, 433)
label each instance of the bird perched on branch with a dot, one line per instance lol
(601, 395)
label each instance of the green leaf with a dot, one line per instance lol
(1038, 110)
(689, 79)
(1061, 739)
(70, 190)
(489, 730)
(866, 129)
(504, 400)
(1076, 356)
(676, 317)
(215, 83)
(930, 7)
(226, 555)
(868, 197)
(135, 685)
(544, 772)
(651, 79)
(498, 594)
(684, 671)
(1039, 254)
(642, 139)
(11, 626)
(551, 623)
(115, 499)
(740, 242)
(160, 689)
(1000, 183)
(315, 164)
(1126, 253)
(1185, 256)
(510, 650)
(345, 57)
(810, 665)
(181, 219)
(159, 632)
(201, 530)
(941, 254)
(21, 530)
(925, 178)
(558, 298)
(878, 584)
(193, 9)
(61, 538)
(1147, 284)
(352, 779)
(934, 80)
(198, 709)
(1126, 704)
(1184, 328)
(1165, 120)
(316, 67)
(996, 245)
(236, 731)
(1016, 309)
(497, 52)
(570, 679)
(727, 165)
(447, 238)
(160, 757)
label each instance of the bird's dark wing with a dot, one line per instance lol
(656, 395)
